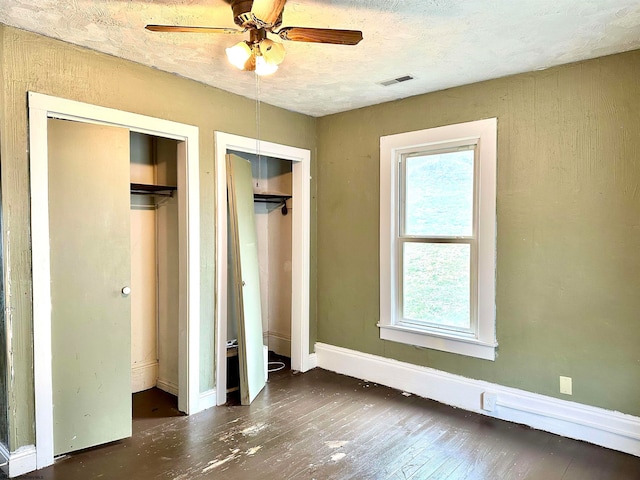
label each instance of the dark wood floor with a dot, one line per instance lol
(320, 425)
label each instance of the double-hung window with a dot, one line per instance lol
(437, 238)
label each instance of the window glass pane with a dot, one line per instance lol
(439, 194)
(436, 284)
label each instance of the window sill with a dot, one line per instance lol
(438, 341)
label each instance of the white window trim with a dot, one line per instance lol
(482, 344)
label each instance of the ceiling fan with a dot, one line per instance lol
(259, 17)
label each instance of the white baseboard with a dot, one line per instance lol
(143, 376)
(167, 386)
(19, 462)
(606, 428)
(312, 362)
(278, 343)
(207, 400)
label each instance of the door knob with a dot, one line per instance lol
(126, 291)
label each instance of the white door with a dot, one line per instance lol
(90, 270)
(246, 287)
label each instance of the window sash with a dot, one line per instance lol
(473, 287)
(402, 238)
(401, 187)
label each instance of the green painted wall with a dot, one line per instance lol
(4, 426)
(568, 244)
(32, 62)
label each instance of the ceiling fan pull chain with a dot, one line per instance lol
(257, 80)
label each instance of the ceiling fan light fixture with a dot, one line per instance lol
(263, 67)
(272, 52)
(239, 55)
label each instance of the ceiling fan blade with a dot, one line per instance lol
(321, 35)
(267, 11)
(172, 28)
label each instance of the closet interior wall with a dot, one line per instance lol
(154, 267)
(273, 176)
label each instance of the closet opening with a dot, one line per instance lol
(273, 206)
(154, 276)
(80, 162)
(299, 165)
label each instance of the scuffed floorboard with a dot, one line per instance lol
(320, 425)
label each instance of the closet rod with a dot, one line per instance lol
(158, 190)
(280, 199)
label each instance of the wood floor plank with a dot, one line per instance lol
(328, 439)
(355, 441)
(326, 426)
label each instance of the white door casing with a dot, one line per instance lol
(42, 107)
(301, 360)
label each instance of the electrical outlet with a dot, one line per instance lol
(489, 400)
(566, 385)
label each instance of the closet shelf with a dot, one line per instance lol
(279, 198)
(159, 190)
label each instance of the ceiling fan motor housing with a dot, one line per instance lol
(257, 35)
(243, 17)
(240, 10)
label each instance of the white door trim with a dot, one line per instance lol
(42, 107)
(301, 224)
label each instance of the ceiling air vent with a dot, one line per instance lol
(405, 78)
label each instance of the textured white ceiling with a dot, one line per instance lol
(442, 43)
